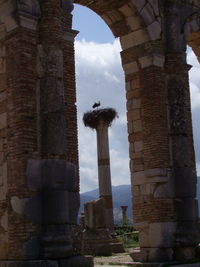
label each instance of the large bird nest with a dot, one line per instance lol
(92, 118)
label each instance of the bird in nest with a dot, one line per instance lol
(96, 104)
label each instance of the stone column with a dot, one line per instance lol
(19, 21)
(124, 216)
(60, 178)
(100, 120)
(39, 192)
(161, 144)
(184, 179)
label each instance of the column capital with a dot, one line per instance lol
(70, 35)
(23, 13)
(67, 5)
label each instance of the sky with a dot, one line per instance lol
(99, 76)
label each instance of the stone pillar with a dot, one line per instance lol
(182, 155)
(105, 187)
(96, 235)
(39, 191)
(124, 216)
(19, 22)
(162, 163)
(100, 120)
(61, 189)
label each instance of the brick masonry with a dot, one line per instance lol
(153, 37)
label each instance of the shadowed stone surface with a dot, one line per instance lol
(78, 261)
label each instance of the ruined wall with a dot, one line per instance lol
(153, 37)
(38, 107)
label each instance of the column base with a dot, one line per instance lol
(117, 247)
(97, 242)
(77, 261)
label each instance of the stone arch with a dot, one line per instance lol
(193, 35)
(139, 29)
(152, 46)
(126, 17)
(191, 28)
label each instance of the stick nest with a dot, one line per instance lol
(92, 118)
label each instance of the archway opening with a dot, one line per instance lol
(195, 103)
(144, 62)
(99, 77)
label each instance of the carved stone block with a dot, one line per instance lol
(52, 173)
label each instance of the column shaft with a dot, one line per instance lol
(105, 187)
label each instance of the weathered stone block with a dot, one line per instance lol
(4, 221)
(57, 174)
(138, 145)
(107, 19)
(135, 84)
(3, 120)
(136, 190)
(144, 240)
(185, 182)
(130, 68)
(187, 209)
(117, 247)
(138, 178)
(147, 13)
(162, 234)
(95, 216)
(18, 205)
(74, 204)
(128, 86)
(83, 261)
(137, 126)
(3, 95)
(154, 30)
(160, 254)
(153, 255)
(139, 255)
(134, 115)
(156, 172)
(126, 10)
(55, 203)
(139, 4)
(130, 127)
(187, 234)
(164, 189)
(27, 22)
(134, 23)
(31, 248)
(2, 65)
(133, 39)
(158, 60)
(184, 253)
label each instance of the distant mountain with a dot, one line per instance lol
(121, 197)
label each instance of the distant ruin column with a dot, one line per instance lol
(100, 120)
(124, 216)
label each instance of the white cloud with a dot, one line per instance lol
(100, 77)
(195, 102)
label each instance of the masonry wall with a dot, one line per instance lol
(162, 163)
(20, 123)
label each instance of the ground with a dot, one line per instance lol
(123, 259)
(113, 260)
